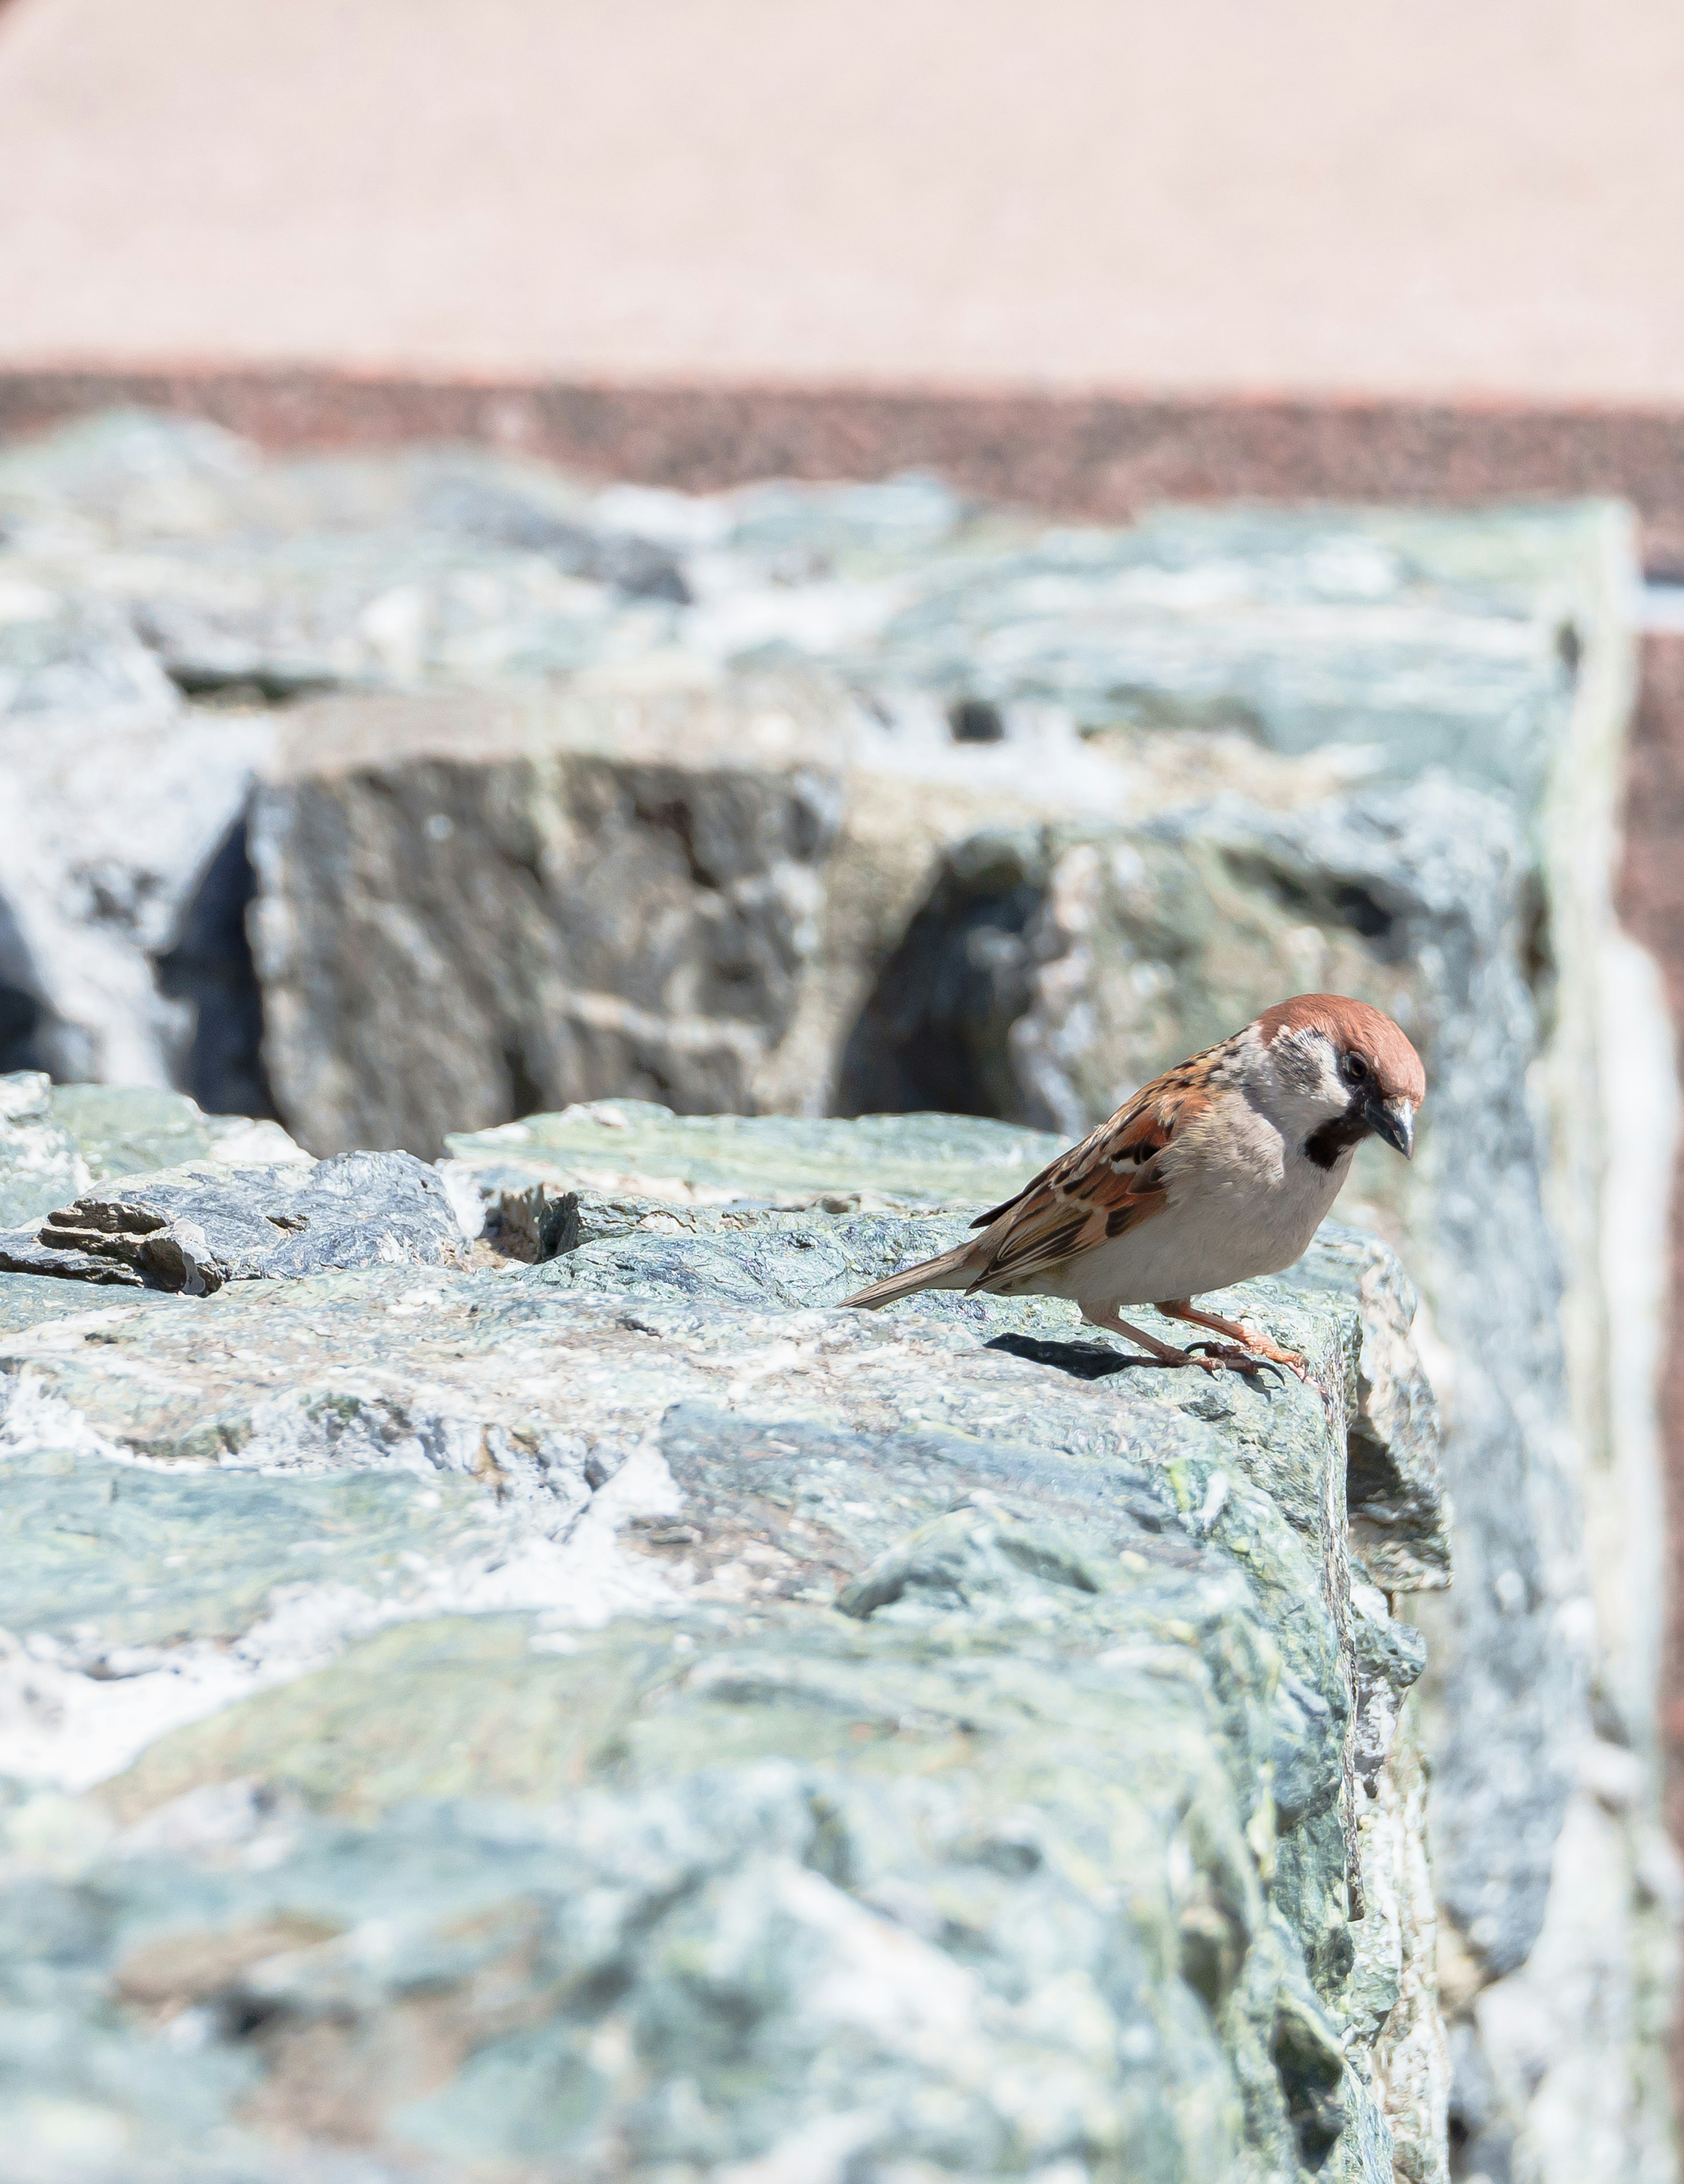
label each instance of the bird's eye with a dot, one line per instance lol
(1356, 1069)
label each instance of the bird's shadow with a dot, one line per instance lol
(1083, 1361)
(1097, 1361)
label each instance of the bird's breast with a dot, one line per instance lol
(1240, 1203)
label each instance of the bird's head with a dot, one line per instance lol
(1347, 1069)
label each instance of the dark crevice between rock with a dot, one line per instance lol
(975, 720)
(673, 816)
(210, 966)
(933, 1034)
(1481, 2136)
(21, 1019)
(1311, 2074)
(1538, 962)
(1331, 902)
(23, 1014)
(244, 688)
(1212, 1947)
(1371, 1476)
(246, 2017)
(32, 1035)
(525, 1093)
(534, 1223)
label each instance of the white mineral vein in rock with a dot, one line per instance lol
(63, 1728)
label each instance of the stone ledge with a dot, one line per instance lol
(688, 1719)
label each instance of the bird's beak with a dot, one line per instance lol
(1394, 1120)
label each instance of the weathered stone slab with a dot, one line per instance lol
(867, 955)
(112, 824)
(196, 1227)
(275, 579)
(621, 894)
(57, 1140)
(790, 1161)
(620, 1717)
(1425, 638)
(643, 1184)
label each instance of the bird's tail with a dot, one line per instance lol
(953, 1270)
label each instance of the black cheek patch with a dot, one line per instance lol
(1333, 1140)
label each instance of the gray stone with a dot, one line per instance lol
(128, 476)
(56, 1140)
(1141, 945)
(196, 1227)
(603, 892)
(265, 582)
(1399, 1510)
(54, 662)
(880, 961)
(114, 797)
(1048, 967)
(792, 1162)
(622, 1716)
(1424, 637)
(115, 828)
(687, 887)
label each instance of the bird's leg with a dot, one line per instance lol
(1260, 1345)
(1158, 1353)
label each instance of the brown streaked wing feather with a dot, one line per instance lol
(1165, 1095)
(1100, 1188)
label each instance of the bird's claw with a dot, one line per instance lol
(1264, 1347)
(1228, 1357)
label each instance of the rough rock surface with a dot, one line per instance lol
(810, 799)
(116, 799)
(773, 861)
(974, 665)
(56, 1140)
(791, 1163)
(623, 1717)
(612, 892)
(194, 1228)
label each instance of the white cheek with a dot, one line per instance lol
(1310, 1073)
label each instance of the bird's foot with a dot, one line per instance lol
(1228, 1358)
(1238, 1335)
(1222, 1358)
(1272, 1353)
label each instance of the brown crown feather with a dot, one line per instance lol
(1355, 1028)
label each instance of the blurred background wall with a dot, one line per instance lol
(1472, 203)
(1087, 256)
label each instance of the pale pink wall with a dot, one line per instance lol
(1430, 197)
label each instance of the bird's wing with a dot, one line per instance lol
(1109, 1183)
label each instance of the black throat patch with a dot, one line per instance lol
(1334, 1140)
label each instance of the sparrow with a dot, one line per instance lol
(1222, 1169)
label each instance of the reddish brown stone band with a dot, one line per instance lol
(1101, 454)
(1651, 905)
